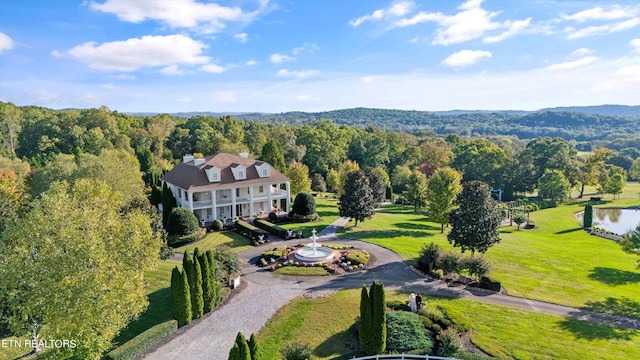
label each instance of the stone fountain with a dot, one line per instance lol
(314, 252)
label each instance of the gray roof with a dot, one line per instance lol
(190, 177)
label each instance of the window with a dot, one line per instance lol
(261, 189)
(214, 176)
(237, 192)
(241, 174)
(265, 172)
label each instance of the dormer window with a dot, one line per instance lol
(213, 173)
(239, 171)
(262, 169)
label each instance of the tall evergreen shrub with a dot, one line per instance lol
(373, 319)
(364, 332)
(588, 216)
(197, 301)
(244, 353)
(208, 286)
(180, 297)
(253, 348)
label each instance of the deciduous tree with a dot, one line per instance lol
(298, 173)
(554, 185)
(474, 224)
(442, 190)
(72, 260)
(357, 201)
(416, 193)
(272, 154)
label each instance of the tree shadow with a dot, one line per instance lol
(612, 276)
(341, 343)
(354, 233)
(592, 331)
(159, 311)
(619, 306)
(419, 226)
(395, 209)
(568, 231)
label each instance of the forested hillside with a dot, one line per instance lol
(588, 123)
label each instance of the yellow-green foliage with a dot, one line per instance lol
(358, 257)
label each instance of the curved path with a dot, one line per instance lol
(262, 293)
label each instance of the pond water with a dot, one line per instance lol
(618, 221)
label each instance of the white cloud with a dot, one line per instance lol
(582, 52)
(598, 13)
(132, 54)
(109, 86)
(514, 28)
(6, 43)
(396, 10)
(297, 74)
(251, 63)
(603, 29)
(572, 64)
(213, 68)
(242, 37)
(280, 58)
(465, 58)
(203, 17)
(224, 97)
(367, 79)
(305, 48)
(471, 22)
(172, 70)
(635, 44)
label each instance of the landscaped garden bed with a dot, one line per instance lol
(346, 259)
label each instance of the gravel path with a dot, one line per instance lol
(262, 293)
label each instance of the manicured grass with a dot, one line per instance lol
(503, 332)
(324, 324)
(229, 238)
(327, 208)
(10, 350)
(556, 261)
(158, 282)
(302, 271)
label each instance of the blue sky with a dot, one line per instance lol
(315, 55)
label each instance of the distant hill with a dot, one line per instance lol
(610, 110)
(579, 123)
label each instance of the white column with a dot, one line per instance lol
(233, 203)
(251, 201)
(288, 197)
(270, 204)
(214, 213)
(190, 197)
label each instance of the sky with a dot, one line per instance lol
(318, 55)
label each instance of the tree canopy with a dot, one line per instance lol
(474, 224)
(73, 259)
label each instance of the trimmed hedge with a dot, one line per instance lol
(143, 342)
(358, 257)
(250, 231)
(274, 229)
(183, 239)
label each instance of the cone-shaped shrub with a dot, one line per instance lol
(364, 332)
(243, 347)
(180, 297)
(234, 353)
(208, 287)
(197, 302)
(253, 348)
(587, 217)
(378, 317)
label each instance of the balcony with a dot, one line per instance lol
(202, 204)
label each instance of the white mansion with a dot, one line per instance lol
(224, 186)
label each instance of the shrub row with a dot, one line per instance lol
(249, 230)
(143, 342)
(183, 239)
(272, 228)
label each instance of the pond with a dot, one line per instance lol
(618, 221)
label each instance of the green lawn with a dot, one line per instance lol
(504, 332)
(158, 282)
(556, 262)
(327, 208)
(228, 238)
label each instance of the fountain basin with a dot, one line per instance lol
(315, 254)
